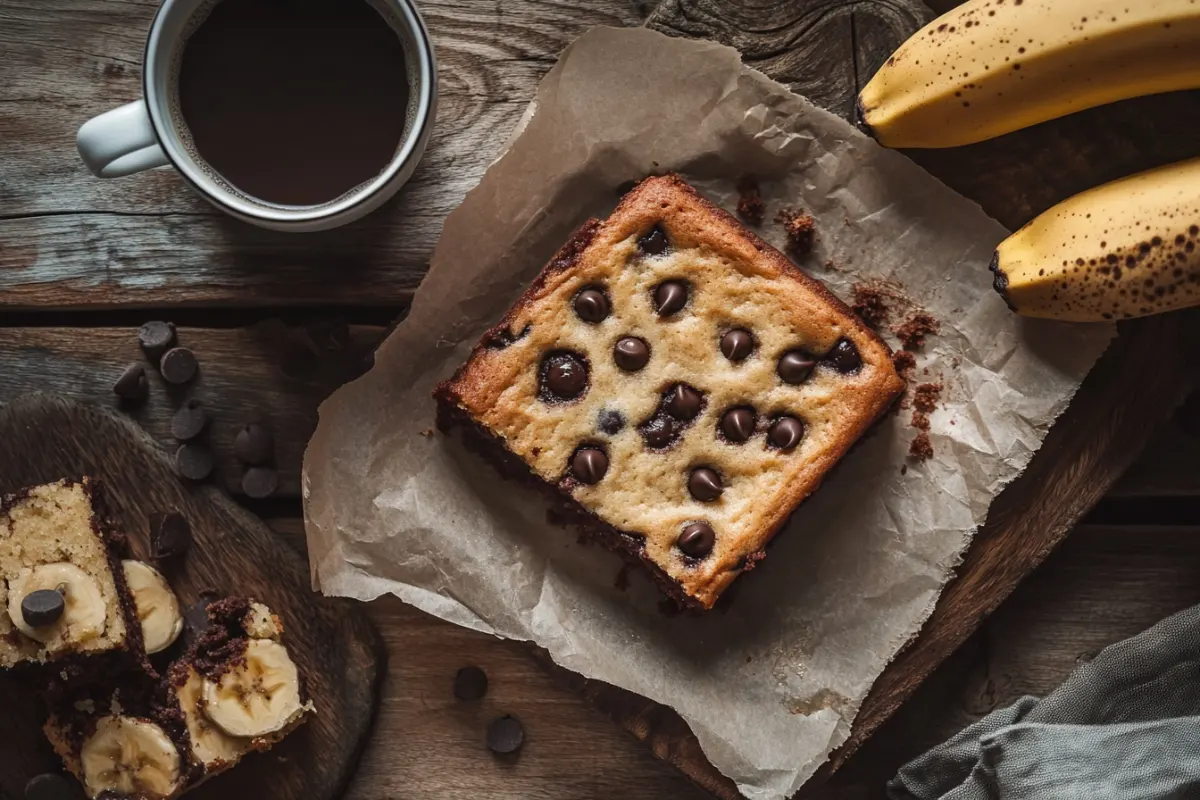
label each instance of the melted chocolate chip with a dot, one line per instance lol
(654, 243)
(704, 484)
(592, 305)
(42, 607)
(737, 344)
(670, 297)
(795, 366)
(683, 402)
(697, 539)
(738, 424)
(659, 432)
(564, 376)
(631, 353)
(785, 433)
(589, 465)
(611, 422)
(844, 356)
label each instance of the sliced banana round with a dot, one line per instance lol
(260, 696)
(84, 614)
(157, 606)
(129, 757)
(211, 746)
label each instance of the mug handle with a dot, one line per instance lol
(120, 142)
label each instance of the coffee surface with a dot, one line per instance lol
(294, 101)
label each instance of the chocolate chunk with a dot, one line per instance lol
(50, 786)
(470, 683)
(683, 402)
(132, 385)
(42, 607)
(785, 433)
(654, 243)
(178, 366)
(659, 432)
(156, 338)
(697, 539)
(194, 461)
(260, 482)
(564, 376)
(737, 344)
(189, 421)
(611, 422)
(631, 353)
(170, 535)
(195, 616)
(254, 444)
(704, 484)
(592, 305)
(738, 424)
(670, 297)
(589, 465)
(795, 366)
(844, 356)
(505, 735)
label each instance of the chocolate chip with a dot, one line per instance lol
(683, 402)
(592, 305)
(505, 735)
(50, 786)
(564, 376)
(178, 366)
(254, 444)
(697, 539)
(194, 461)
(844, 356)
(737, 344)
(785, 433)
(611, 422)
(170, 535)
(704, 484)
(189, 421)
(132, 385)
(659, 432)
(654, 243)
(156, 338)
(631, 353)
(260, 482)
(470, 683)
(795, 366)
(738, 424)
(42, 607)
(589, 465)
(670, 297)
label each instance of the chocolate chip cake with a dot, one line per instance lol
(63, 593)
(676, 383)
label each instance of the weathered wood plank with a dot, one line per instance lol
(1170, 467)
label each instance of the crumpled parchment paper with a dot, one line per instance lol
(771, 684)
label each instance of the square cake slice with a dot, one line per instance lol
(677, 383)
(63, 594)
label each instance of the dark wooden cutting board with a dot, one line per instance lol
(45, 438)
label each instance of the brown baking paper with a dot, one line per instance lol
(770, 684)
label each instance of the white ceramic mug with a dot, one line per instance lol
(145, 134)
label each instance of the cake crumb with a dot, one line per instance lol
(904, 362)
(920, 449)
(912, 331)
(750, 205)
(924, 402)
(427, 433)
(870, 304)
(800, 228)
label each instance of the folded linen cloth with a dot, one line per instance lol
(1124, 726)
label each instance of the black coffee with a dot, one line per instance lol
(294, 101)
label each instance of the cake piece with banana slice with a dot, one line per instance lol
(63, 594)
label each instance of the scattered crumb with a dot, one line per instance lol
(750, 206)
(912, 331)
(921, 449)
(832, 267)
(870, 305)
(924, 401)
(801, 230)
(427, 433)
(904, 467)
(904, 362)
(621, 582)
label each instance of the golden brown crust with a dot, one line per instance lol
(736, 280)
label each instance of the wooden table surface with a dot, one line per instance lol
(279, 321)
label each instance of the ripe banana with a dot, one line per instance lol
(84, 615)
(989, 67)
(211, 746)
(1124, 249)
(129, 757)
(157, 606)
(260, 696)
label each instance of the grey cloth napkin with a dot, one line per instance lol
(1124, 726)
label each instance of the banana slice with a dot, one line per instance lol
(210, 745)
(85, 612)
(129, 757)
(260, 696)
(157, 606)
